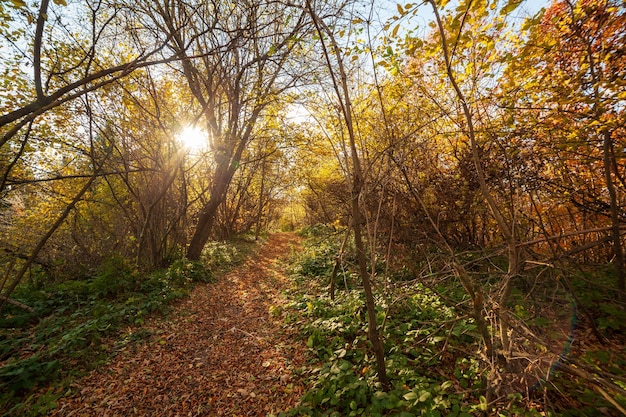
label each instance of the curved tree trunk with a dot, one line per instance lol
(618, 250)
(207, 215)
(515, 253)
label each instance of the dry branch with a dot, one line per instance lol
(17, 304)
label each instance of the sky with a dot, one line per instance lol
(385, 9)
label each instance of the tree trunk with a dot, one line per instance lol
(260, 213)
(333, 277)
(506, 227)
(618, 251)
(207, 215)
(343, 96)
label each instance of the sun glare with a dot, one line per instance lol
(193, 138)
(297, 113)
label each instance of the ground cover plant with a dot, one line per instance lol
(78, 324)
(433, 348)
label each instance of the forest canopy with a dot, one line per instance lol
(475, 146)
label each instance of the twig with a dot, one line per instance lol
(587, 376)
(17, 304)
(610, 399)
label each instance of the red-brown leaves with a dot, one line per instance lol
(220, 353)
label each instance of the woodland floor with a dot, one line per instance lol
(219, 353)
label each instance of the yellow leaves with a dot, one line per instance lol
(510, 6)
(394, 33)
(20, 4)
(469, 68)
(403, 10)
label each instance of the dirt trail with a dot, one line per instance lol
(219, 354)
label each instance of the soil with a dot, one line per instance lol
(219, 353)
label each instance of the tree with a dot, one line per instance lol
(340, 85)
(151, 169)
(245, 49)
(252, 200)
(573, 67)
(67, 66)
(49, 115)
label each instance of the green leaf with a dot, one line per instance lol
(410, 396)
(379, 395)
(483, 403)
(19, 3)
(446, 385)
(510, 6)
(60, 2)
(424, 395)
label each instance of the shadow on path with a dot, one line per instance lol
(219, 354)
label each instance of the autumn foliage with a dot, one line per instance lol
(468, 156)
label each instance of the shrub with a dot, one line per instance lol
(184, 271)
(342, 375)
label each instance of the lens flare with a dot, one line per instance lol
(193, 138)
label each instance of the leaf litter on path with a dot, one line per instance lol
(220, 353)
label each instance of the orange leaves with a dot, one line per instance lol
(218, 354)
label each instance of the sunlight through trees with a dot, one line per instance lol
(469, 155)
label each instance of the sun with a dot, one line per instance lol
(193, 138)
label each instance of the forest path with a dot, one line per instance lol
(219, 353)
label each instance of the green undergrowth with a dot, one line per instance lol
(76, 324)
(432, 346)
(595, 287)
(425, 343)
(425, 380)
